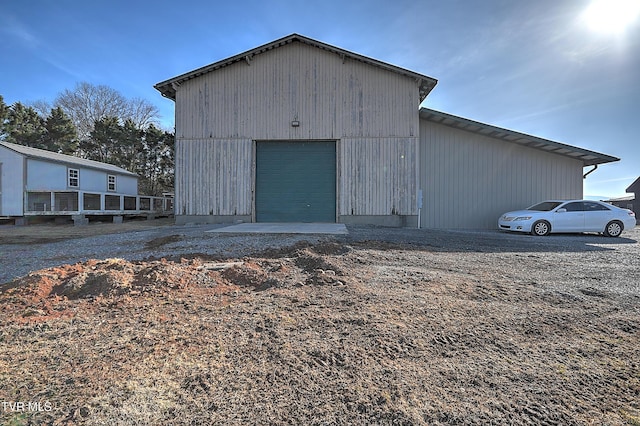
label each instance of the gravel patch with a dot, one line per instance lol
(567, 262)
(167, 241)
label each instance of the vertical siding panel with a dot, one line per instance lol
(260, 100)
(213, 177)
(469, 179)
(376, 179)
(180, 200)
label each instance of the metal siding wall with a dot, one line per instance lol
(125, 184)
(468, 180)
(213, 177)
(47, 176)
(12, 182)
(51, 176)
(331, 99)
(378, 176)
(93, 180)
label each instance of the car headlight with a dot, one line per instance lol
(522, 218)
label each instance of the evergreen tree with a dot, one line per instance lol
(167, 162)
(25, 127)
(61, 135)
(4, 115)
(156, 166)
(130, 146)
(146, 152)
(104, 141)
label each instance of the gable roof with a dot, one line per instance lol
(168, 87)
(588, 158)
(42, 154)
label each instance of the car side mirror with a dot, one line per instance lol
(561, 211)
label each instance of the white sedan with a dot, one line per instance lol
(569, 216)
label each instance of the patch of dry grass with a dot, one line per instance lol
(48, 232)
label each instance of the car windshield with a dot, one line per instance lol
(545, 206)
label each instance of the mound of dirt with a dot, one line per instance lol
(43, 293)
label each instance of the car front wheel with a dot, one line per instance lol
(541, 228)
(613, 229)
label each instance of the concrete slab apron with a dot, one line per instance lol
(284, 228)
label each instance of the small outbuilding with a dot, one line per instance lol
(298, 130)
(634, 189)
(35, 182)
(631, 202)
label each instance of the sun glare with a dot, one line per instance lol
(611, 16)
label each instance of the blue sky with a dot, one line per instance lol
(538, 67)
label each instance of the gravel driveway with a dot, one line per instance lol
(587, 260)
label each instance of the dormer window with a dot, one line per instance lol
(74, 178)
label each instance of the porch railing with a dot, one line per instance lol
(89, 202)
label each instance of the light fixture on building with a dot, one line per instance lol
(295, 123)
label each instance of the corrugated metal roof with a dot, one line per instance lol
(63, 158)
(589, 158)
(618, 199)
(168, 87)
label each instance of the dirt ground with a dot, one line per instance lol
(47, 232)
(360, 332)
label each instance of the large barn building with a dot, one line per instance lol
(300, 131)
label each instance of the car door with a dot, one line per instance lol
(569, 217)
(596, 216)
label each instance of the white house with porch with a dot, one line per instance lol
(35, 182)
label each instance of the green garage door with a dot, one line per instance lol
(296, 182)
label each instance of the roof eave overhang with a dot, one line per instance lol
(588, 158)
(168, 87)
(119, 170)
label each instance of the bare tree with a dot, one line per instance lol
(142, 113)
(86, 104)
(42, 107)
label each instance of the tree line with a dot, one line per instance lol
(97, 123)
